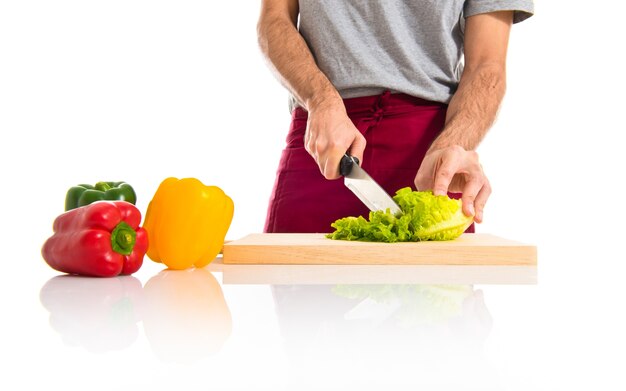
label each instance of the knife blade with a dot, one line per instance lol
(364, 187)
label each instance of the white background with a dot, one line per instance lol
(142, 90)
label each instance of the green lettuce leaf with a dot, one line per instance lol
(424, 216)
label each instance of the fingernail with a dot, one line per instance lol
(471, 209)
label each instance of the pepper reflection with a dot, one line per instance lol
(184, 314)
(98, 314)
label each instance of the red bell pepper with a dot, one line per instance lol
(102, 239)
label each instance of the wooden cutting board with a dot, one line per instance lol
(316, 249)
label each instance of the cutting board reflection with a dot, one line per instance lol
(316, 249)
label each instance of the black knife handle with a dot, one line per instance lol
(345, 165)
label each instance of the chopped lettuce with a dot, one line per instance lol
(424, 217)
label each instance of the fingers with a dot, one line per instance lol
(448, 166)
(474, 197)
(358, 147)
(481, 200)
(424, 177)
(476, 190)
(330, 157)
(329, 163)
(472, 188)
(328, 154)
(327, 139)
(454, 169)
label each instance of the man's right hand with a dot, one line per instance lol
(329, 135)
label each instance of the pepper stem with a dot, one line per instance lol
(123, 238)
(102, 186)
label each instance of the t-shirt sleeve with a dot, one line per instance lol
(522, 9)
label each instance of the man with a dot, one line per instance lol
(408, 87)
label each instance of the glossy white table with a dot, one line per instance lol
(321, 327)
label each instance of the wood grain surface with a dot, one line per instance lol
(316, 249)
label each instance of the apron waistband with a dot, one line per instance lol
(377, 105)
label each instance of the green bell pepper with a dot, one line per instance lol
(82, 195)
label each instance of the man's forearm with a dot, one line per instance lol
(329, 132)
(292, 62)
(473, 108)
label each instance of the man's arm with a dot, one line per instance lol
(330, 133)
(451, 163)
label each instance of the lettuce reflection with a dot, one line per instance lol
(415, 313)
(385, 336)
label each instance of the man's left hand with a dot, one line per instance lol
(456, 170)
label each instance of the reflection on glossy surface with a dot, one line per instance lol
(185, 316)
(350, 309)
(98, 314)
(343, 329)
(374, 274)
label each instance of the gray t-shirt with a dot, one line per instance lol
(414, 47)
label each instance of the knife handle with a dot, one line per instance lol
(345, 165)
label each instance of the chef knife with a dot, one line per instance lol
(364, 187)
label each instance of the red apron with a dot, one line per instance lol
(398, 129)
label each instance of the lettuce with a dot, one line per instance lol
(424, 217)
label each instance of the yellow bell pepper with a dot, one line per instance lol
(187, 222)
